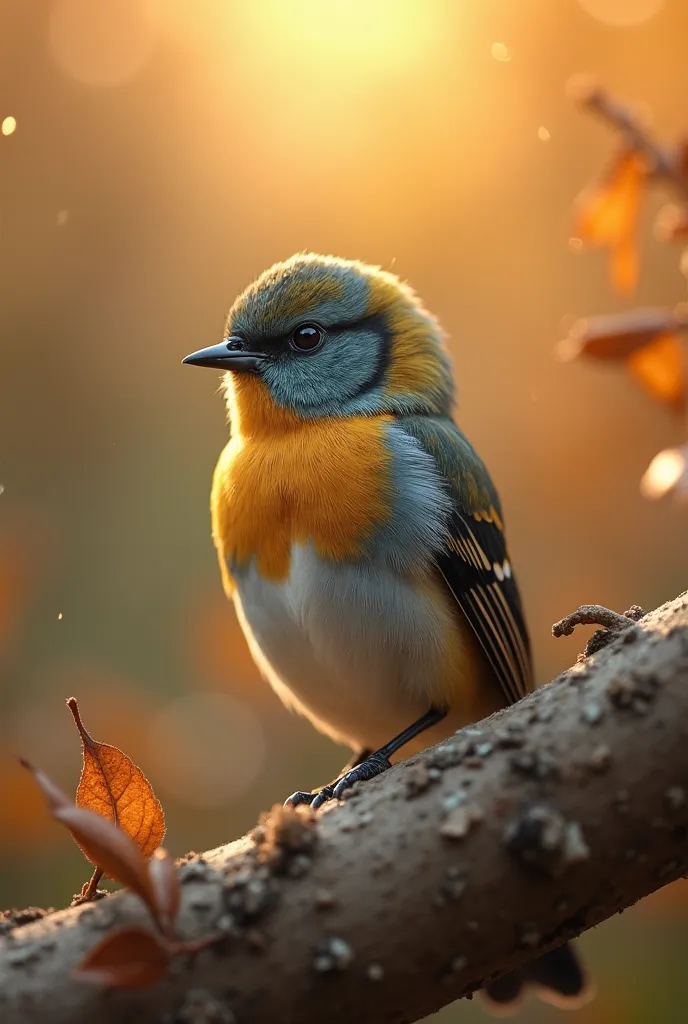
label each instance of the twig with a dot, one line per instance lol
(89, 890)
(663, 161)
(592, 615)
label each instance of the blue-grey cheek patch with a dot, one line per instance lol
(321, 383)
(420, 507)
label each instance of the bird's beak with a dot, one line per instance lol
(222, 357)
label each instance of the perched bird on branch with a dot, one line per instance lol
(359, 534)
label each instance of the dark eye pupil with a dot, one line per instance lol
(307, 337)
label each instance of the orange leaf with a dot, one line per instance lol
(607, 212)
(103, 843)
(165, 881)
(607, 215)
(616, 336)
(624, 265)
(111, 785)
(660, 367)
(127, 958)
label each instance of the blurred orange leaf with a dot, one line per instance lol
(661, 369)
(616, 336)
(165, 882)
(112, 786)
(607, 215)
(130, 957)
(624, 265)
(105, 845)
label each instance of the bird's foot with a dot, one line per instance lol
(302, 798)
(374, 765)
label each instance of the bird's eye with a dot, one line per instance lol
(307, 338)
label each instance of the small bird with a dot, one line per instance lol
(358, 532)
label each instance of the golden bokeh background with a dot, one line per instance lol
(155, 155)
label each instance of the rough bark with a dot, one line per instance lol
(456, 865)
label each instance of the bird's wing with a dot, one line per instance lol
(474, 563)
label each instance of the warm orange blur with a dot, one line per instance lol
(156, 155)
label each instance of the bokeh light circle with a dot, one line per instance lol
(205, 749)
(622, 12)
(102, 42)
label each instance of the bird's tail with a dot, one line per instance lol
(557, 976)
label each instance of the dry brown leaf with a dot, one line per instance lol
(102, 843)
(165, 881)
(660, 367)
(130, 957)
(617, 335)
(667, 474)
(607, 214)
(112, 786)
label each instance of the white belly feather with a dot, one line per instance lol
(352, 647)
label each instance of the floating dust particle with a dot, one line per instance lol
(500, 51)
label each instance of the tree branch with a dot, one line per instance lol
(663, 161)
(456, 865)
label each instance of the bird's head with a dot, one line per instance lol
(317, 336)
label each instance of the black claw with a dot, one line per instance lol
(299, 797)
(325, 794)
(374, 765)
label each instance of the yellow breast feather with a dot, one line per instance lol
(322, 480)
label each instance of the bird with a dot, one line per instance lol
(359, 534)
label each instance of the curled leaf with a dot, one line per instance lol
(103, 843)
(660, 368)
(616, 336)
(112, 786)
(607, 215)
(165, 882)
(667, 474)
(130, 957)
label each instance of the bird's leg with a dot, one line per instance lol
(377, 762)
(302, 797)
